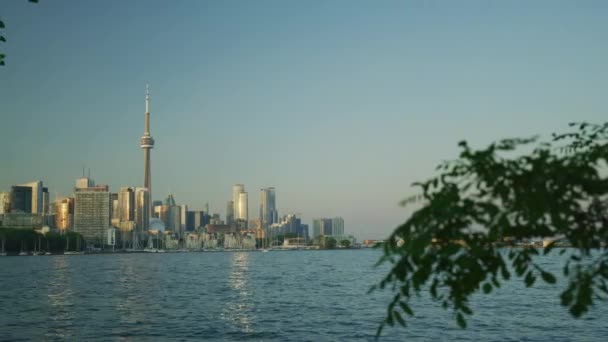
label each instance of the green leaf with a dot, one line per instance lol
(399, 319)
(487, 288)
(548, 277)
(406, 308)
(462, 323)
(530, 279)
(2, 24)
(2, 39)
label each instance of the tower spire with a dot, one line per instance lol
(147, 128)
(146, 142)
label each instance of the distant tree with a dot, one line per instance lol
(450, 246)
(3, 38)
(330, 243)
(345, 243)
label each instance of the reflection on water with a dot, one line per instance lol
(303, 296)
(60, 294)
(239, 308)
(126, 295)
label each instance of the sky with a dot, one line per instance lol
(340, 105)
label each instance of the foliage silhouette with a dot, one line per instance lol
(452, 245)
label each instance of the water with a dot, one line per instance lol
(275, 296)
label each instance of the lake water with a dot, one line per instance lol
(275, 296)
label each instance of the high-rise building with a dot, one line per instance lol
(156, 208)
(326, 227)
(268, 207)
(5, 203)
(337, 226)
(198, 217)
(125, 208)
(190, 218)
(147, 143)
(175, 219)
(84, 182)
(45, 201)
(316, 228)
(230, 212)
(183, 217)
(142, 209)
(21, 199)
(243, 207)
(92, 213)
(29, 198)
(113, 206)
(170, 200)
(164, 214)
(236, 190)
(64, 214)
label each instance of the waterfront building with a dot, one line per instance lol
(196, 220)
(64, 214)
(328, 226)
(84, 182)
(190, 221)
(175, 219)
(46, 205)
(268, 207)
(142, 209)
(236, 190)
(290, 224)
(230, 212)
(21, 220)
(126, 204)
(164, 215)
(316, 228)
(21, 199)
(147, 143)
(337, 226)
(5, 202)
(170, 200)
(243, 207)
(92, 213)
(183, 217)
(29, 198)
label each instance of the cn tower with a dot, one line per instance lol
(147, 143)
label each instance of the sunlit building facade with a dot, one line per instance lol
(64, 214)
(243, 207)
(92, 213)
(142, 209)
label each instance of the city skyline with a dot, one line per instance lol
(341, 116)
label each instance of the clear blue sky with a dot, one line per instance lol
(340, 105)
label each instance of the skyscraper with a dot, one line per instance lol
(126, 204)
(5, 202)
(28, 197)
(243, 207)
(236, 190)
(268, 207)
(229, 212)
(147, 143)
(64, 214)
(142, 209)
(337, 226)
(92, 213)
